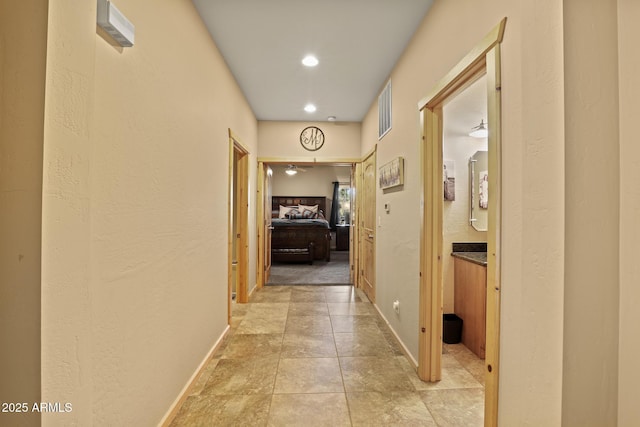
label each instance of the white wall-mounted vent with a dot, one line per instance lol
(115, 23)
(384, 110)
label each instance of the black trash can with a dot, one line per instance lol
(451, 329)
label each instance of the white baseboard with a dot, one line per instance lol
(184, 393)
(406, 352)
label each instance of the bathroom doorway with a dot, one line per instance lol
(484, 59)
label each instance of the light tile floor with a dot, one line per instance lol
(322, 356)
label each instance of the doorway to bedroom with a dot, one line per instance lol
(309, 217)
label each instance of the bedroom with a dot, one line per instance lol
(310, 244)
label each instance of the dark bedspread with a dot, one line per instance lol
(320, 223)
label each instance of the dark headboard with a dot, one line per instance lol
(276, 201)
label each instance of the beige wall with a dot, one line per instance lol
(22, 71)
(282, 140)
(629, 82)
(533, 203)
(135, 207)
(591, 311)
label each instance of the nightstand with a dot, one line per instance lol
(342, 237)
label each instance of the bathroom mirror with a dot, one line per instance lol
(479, 190)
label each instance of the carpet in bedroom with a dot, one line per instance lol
(334, 272)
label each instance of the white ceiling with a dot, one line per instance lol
(357, 42)
(465, 110)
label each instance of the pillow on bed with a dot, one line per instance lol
(284, 210)
(313, 208)
(307, 213)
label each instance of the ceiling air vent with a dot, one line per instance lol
(384, 110)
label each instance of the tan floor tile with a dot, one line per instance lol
(252, 346)
(242, 376)
(395, 346)
(268, 309)
(246, 411)
(456, 408)
(261, 325)
(395, 408)
(223, 344)
(308, 325)
(198, 386)
(309, 410)
(239, 310)
(301, 367)
(342, 297)
(308, 297)
(350, 309)
(339, 289)
(300, 291)
(452, 378)
(271, 294)
(373, 374)
(308, 309)
(300, 345)
(342, 324)
(365, 343)
(309, 375)
(472, 363)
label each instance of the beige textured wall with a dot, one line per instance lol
(591, 311)
(135, 208)
(629, 82)
(22, 76)
(282, 140)
(533, 203)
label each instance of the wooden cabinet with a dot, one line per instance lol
(342, 237)
(470, 295)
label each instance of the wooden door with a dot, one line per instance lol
(368, 226)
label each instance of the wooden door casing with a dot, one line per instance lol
(268, 227)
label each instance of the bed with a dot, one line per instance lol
(298, 238)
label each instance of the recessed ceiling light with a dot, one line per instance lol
(331, 118)
(310, 61)
(310, 108)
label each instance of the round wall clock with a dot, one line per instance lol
(312, 138)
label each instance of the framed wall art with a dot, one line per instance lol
(392, 174)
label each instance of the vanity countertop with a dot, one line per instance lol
(475, 252)
(479, 258)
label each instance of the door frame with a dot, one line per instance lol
(260, 194)
(261, 222)
(483, 58)
(241, 207)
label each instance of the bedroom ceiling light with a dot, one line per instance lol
(291, 170)
(310, 61)
(480, 131)
(331, 118)
(310, 108)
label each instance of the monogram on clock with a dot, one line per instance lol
(312, 138)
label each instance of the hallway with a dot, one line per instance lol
(321, 355)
